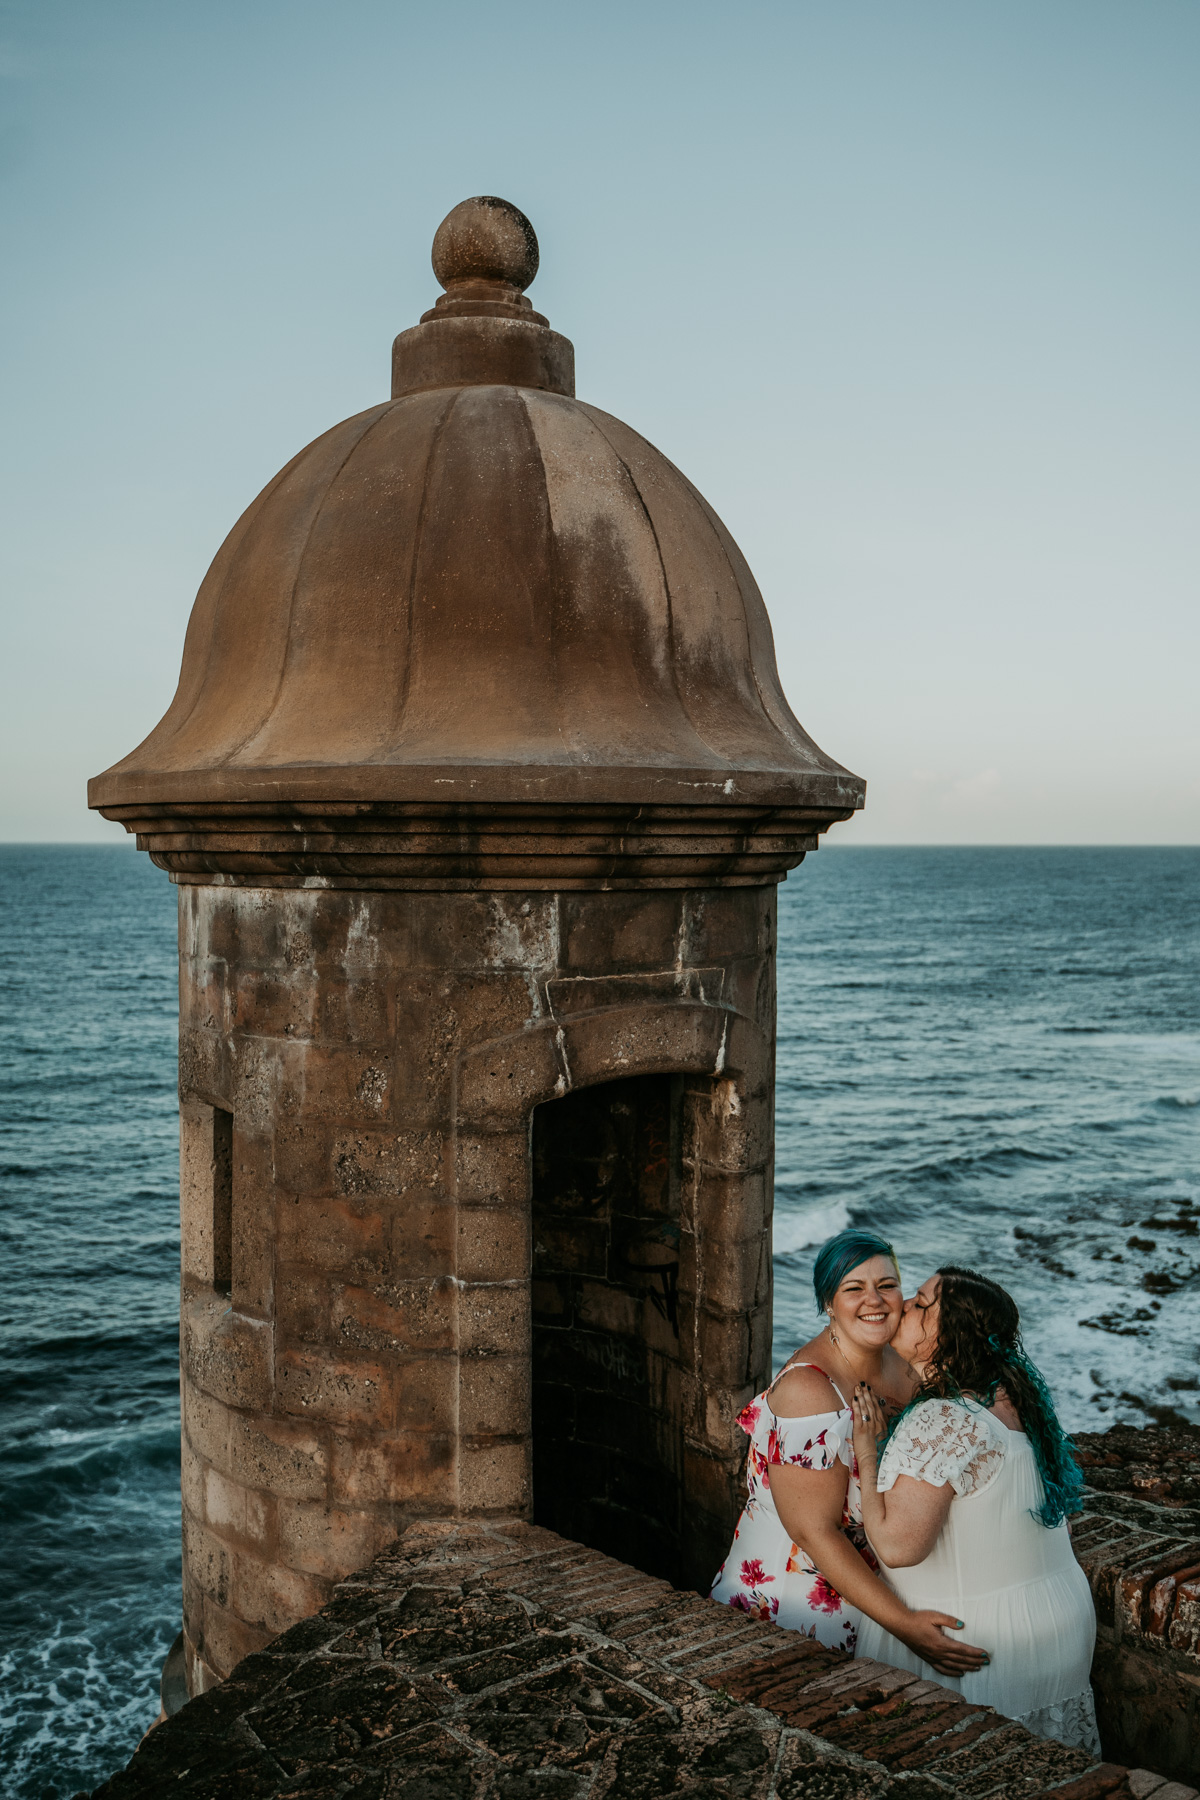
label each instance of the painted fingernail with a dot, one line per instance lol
(959, 1626)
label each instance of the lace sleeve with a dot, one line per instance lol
(940, 1441)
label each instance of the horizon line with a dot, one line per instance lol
(826, 844)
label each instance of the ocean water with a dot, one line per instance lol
(991, 1055)
(89, 1245)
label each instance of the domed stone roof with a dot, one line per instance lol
(481, 593)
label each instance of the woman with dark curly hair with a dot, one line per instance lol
(967, 1507)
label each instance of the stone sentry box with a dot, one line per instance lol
(476, 786)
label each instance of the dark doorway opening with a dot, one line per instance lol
(608, 1447)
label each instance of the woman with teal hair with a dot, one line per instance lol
(799, 1555)
(967, 1507)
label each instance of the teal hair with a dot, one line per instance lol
(839, 1255)
(1062, 1478)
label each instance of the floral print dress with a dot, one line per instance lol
(765, 1574)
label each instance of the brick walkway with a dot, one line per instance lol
(505, 1663)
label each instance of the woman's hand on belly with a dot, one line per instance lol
(924, 1633)
(809, 1504)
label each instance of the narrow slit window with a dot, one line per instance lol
(222, 1200)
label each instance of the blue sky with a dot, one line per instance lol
(908, 289)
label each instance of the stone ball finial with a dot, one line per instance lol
(485, 239)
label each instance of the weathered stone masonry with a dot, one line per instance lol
(1139, 1543)
(502, 1663)
(382, 1057)
(476, 787)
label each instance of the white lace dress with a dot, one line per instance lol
(1015, 1585)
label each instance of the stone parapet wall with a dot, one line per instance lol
(500, 1662)
(1156, 1464)
(1139, 1544)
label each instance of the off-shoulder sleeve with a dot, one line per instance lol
(941, 1441)
(816, 1442)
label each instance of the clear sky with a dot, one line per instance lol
(909, 288)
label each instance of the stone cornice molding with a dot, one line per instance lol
(481, 845)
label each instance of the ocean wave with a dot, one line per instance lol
(801, 1231)
(1183, 1046)
(1171, 1193)
(107, 1439)
(161, 1342)
(117, 1468)
(1180, 1100)
(796, 1188)
(998, 1158)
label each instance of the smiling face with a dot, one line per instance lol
(916, 1339)
(867, 1305)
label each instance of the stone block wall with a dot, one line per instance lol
(504, 1663)
(360, 1073)
(1139, 1543)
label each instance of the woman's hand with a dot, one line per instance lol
(902, 1525)
(925, 1633)
(870, 1425)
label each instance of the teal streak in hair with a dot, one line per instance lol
(1053, 1452)
(1052, 1449)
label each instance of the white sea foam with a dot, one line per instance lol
(803, 1229)
(75, 1704)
